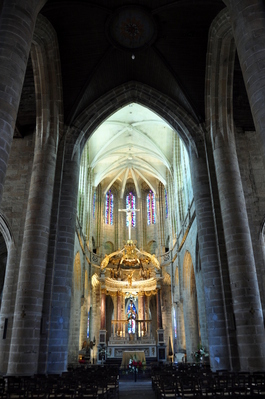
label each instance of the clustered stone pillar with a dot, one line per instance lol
(63, 268)
(18, 18)
(243, 277)
(47, 296)
(248, 24)
(216, 322)
(24, 350)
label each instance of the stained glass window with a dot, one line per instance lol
(151, 208)
(130, 201)
(166, 204)
(109, 208)
(131, 316)
(87, 334)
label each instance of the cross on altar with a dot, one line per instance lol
(129, 212)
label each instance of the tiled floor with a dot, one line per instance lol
(141, 389)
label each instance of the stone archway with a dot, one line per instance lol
(85, 124)
(178, 118)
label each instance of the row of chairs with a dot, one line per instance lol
(94, 383)
(188, 382)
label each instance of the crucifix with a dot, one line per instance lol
(129, 212)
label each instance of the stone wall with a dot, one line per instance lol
(16, 188)
(252, 166)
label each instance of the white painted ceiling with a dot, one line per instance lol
(134, 144)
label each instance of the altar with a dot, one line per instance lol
(127, 355)
(132, 279)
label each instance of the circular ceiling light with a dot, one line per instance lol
(131, 27)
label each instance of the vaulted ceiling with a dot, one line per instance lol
(170, 54)
(134, 144)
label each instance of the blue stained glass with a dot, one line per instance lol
(87, 326)
(109, 208)
(130, 201)
(131, 316)
(151, 208)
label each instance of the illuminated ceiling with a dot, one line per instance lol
(133, 145)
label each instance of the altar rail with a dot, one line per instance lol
(143, 329)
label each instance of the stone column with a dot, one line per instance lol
(119, 295)
(6, 315)
(47, 295)
(216, 321)
(158, 306)
(248, 24)
(63, 269)
(83, 320)
(143, 304)
(190, 322)
(103, 311)
(18, 18)
(243, 277)
(181, 338)
(24, 350)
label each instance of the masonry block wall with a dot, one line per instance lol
(252, 166)
(13, 207)
(17, 183)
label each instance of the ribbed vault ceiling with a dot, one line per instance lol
(134, 144)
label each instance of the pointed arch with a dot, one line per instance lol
(179, 119)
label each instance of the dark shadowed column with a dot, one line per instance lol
(7, 306)
(24, 350)
(216, 323)
(248, 24)
(64, 260)
(242, 271)
(17, 24)
(47, 297)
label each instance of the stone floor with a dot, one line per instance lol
(141, 389)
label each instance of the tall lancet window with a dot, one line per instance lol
(109, 208)
(130, 202)
(151, 208)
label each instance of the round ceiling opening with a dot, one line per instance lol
(131, 28)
